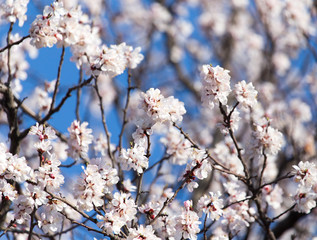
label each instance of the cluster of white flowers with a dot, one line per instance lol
(211, 205)
(215, 85)
(142, 233)
(47, 178)
(268, 139)
(158, 109)
(154, 109)
(306, 194)
(13, 167)
(89, 189)
(79, 140)
(57, 26)
(98, 179)
(45, 135)
(108, 174)
(120, 211)
(114, 60)
(177, 146)
(134, 158)
(71, 27)
(239, 214)
(199, 167)
(187, 225)
(13, 10)
(245, 94)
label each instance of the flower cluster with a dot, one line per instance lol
(177, 146)
(142, 233)
(245, 94)
(71, 27)
(267, 139)
(114, 60)
(199, 167)
(13, 10)
(187, 225)
(306, 194)
(57, 26)
(120, 211)
(134, 158)
(215, 85)
(158, 109)
(79, 140)
(45, 135)
(211, 205)
(97, 180)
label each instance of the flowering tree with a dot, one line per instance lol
(187, 149)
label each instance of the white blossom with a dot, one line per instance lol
(215, 85)
(13, 10)
(79, 139)
(245, 94)
(268, 138)
(187, 224)
(134, 158)
(211, 205)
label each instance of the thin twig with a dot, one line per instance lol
(158, 162)
(104, 123)
(79, 93)
(59, 106)
(125, 121)
(9, 55)
(242, 200)
(227, 121)
(73, 207)
(276, 180)
(205, 228)
(32, 224)
(263, 167)
(14, 43)
(58, 78)
(286, 211)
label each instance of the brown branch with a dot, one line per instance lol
(67, 95)
(158, 162)
(79, 94)
(125, 121)
(9, 55)
(227, 121)
(286, 211)
(263, 167)
(32, 224)
(276, 180)
(14, 43)
(205, 228)
(104, 123)
(242, 200)
(58, 78)
(85, 215)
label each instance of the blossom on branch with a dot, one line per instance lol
(215, 85)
